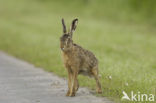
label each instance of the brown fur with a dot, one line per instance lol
(77, 60)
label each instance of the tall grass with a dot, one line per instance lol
(140, 11)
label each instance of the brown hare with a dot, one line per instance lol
(77, 60)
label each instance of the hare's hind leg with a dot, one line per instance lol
(98, 84)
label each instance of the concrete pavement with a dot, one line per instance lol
(21, 82)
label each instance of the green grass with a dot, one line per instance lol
(30, 30)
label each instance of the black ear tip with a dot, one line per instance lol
(62, 19)
(75, 20)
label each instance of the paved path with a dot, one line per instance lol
(21, 82)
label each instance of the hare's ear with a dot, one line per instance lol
(73, 26)
(64, 26)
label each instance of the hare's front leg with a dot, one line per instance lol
(69, 82)
(77, 85)
(98, 84)
(74, 84)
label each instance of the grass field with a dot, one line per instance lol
(30, 30)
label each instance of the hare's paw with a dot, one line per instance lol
(67, 94)
(72, 94)
(99, 91)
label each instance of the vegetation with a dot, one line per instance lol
(123, 33)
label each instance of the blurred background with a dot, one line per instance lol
(121, 33)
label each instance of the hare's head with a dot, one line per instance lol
(66, 41)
